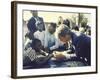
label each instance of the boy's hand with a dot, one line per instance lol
(47, 50)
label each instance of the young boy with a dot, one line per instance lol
(35, 56)
(50, 42)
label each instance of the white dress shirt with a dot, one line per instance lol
(40, 35)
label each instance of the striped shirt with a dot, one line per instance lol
(32, 54)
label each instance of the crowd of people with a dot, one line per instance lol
(42, 40)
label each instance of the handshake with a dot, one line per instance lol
(63, 55)
(59, 55)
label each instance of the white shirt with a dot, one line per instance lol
(40, 35)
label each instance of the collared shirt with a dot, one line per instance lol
(50, 41)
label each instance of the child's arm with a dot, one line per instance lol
(42, 60)
(46, 39)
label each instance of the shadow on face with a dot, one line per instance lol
(52, 28)
(36, 45)
(65, 39)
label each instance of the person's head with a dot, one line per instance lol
(88, 30)
(66, 22)
(64, 34)
(52, 27)
(84, 24)
(29, 35)
(60, 20)
(76, 28)
(34, 13)
(31, 25)
(36, 45)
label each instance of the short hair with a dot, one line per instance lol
(54, 25)
(60, 16)
(67, 22)
(35, 42)
(75, 28)
(64, 30)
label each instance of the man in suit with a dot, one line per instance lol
(82, 43)
(35, 23)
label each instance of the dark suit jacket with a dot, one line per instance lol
(32, 24)
(82, 45)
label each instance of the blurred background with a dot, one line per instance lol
(81, 20)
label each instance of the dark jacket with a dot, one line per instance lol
(82, 45)
(32, 24)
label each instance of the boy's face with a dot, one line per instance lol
(51, 29)
(35, 13)
(60, 19)
(65, 39)
(38, 46)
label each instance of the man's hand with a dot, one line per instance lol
(58, 55)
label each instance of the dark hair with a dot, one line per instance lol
(34, 43)
(67, 22)
(64, 31)
(88, 29)
(54, 25)
(30, 35)
(34, 12)
(75, 28)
